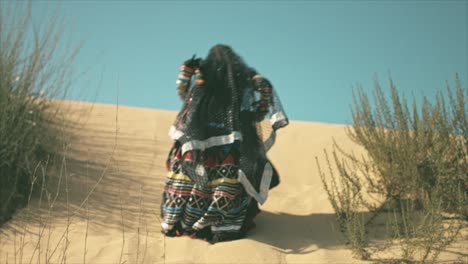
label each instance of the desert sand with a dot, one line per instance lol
(120, 152)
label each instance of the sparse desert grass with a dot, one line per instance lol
(35, 176)
(32, 71)
(56, 228)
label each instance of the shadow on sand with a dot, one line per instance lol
(295, 234)
(303, 234)
(108, 176)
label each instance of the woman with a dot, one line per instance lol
(218, 169)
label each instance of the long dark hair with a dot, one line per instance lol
(226, 75)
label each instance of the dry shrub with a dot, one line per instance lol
(33, 69)
(416, 161)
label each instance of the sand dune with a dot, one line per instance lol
(122, 151)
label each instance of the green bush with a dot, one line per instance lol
(411, 152)
(31, 72)
(416, 166)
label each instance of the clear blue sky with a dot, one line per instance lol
(314, 52)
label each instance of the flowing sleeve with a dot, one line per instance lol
(183, 80)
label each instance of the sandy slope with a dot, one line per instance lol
(122, 151)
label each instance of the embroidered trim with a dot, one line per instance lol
(257, 76)
(207, 143)
(166, 226)
(176, 176)
(264, 185)
(199, 226)
(174, 133)
(223, 180)
(270, 141)
(277, 117)
(225, 228)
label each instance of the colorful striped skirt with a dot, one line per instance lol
(218, 210)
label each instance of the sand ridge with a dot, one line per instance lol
(122, 151)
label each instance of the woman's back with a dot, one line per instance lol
(218, 169)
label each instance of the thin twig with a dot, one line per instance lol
(138, 227)
(87, 213)
(40, 231)
(164, 237)
(123, 227)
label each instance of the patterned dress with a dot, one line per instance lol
(221, 204)
(224, 205)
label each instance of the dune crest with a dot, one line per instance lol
(122, 151)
